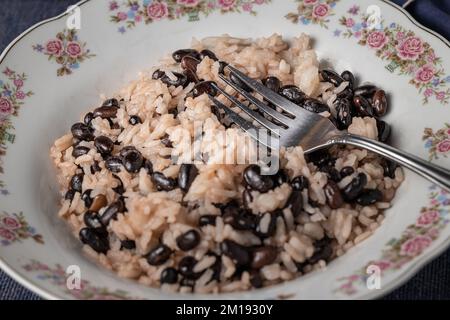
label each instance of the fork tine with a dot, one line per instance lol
(271, 112)
(253, 114)
(245, 125)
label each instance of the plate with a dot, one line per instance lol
(44, 88)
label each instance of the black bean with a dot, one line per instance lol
(240, 220)
(355, 187)
(273, 83)
(92, 220)
(207, 220)
(239, 82)
(186, 175)
(69, 194)
(333, 195)
(181, 80)
(114, 164)
(162, 182)
(95, 167)
(222, 66)
(299, 183)
(79, 151)
(348, 76)
(133, 161)
(208, 53)
(105, 112)
(119, 189)
(111, 212)
(125, 150)
(348, 94)
(263, 256)
(111, 103)
(158, 255)
(253, 178)
(188, 240)
(247, 198)
(331, 77)
(368, 197)
(76, 182)
(88, 118)
(343, 113)
(320, 158)
(293, 94)
(158, 74)
(346, 171)
(366, 91)
(169, 275)
(389, 168)
(384, 130)
(191, 76)
(256, 280)
(379, 103)
(239, 254)
(148, 166)
(216, 267)
(82, 132)
(104, 145)
(295, 202)
(98, 242)
(332, 173)
(166, 141)
(314, 105)
(180, 54)
(190, 63)
(134, 120)
(186, 268)
(128, 244)
(321, 253)
(268, 230)
(362, 106)
(280, 177)
(86, 197)
(204, 87)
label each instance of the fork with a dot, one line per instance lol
(296, 126)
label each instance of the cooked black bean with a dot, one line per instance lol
(379, 103)
(191, 76)
(187, 175)
(148, 165)
(247, 198)
(111, 103)
(188, 240)
(293, 94)
(88, 118)
(158, 74)
(384, 130)
(128, 244)
(333, 195)
(362, 106)
(280, 177)
(95, 167)
(239, 254)
(255, 180)
(348, 94)
(92, 220)
(368, 197)
(104, 145)
(134, 120)
(111, 212)
(166, 141)
(98, 202)
(162, 182)
(207, 220)
(181, 79)
(158, 255)
(82, 132)
(222, 66)
(86, 197)
(204, 87)
(216, 267)
(346, 171)
(273, 83)
(314, 105)
(180, 54)
(114, 164)
(320, 158)
(366, 90)
(355, 187)
(266, 225)
(105, 112)
(133, 161)
(69, 194)
(240, 220)
(331, 77)
(321, 253)
(332, 173)
(389, 168)
(208, 53)
(299, 183)
(98, 242)
(76, 182)
(186, 267)
(239, 82)
(256, 280)
(343, 113)
(348, 76)
(263, 256)
(169, 275)
(189, 63)
(79, 151)
(125, 150)
(119, 189)
(295, 202)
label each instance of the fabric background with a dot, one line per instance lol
(433, 282)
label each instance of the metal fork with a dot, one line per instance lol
(307, 129)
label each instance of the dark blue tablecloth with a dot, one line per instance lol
(433, 282)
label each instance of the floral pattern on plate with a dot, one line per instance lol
(437, 143)
(413, 241)
(313, 11)
(406, 53)
(14, 228)
(66, 50)
(58, 277)
(129, 13)
(12, 97)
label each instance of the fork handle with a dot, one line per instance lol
(434, 173)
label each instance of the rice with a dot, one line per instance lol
(196, 227)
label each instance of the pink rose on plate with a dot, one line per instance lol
(18, 83)
(227, 4)
(157, 10)
(425, 73)
(138, 18)
(382, 264)
(54, 47)
(7, 234)
(321, 10)
(20, 95)
(431, 56)
(349, 22)
(122, 16)
(415, 246)
(444, 146)
(440, 95)
(5, 106)
(259, 2)
(428, 92)
(310, 2)
(427, 218)
(377, 39)
(400, 35)
(188, 3)
(247, 7)
(410, 48)
(11, 223)
(74, 49)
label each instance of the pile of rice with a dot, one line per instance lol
(153, 217)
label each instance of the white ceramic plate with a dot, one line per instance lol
(41, 96)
